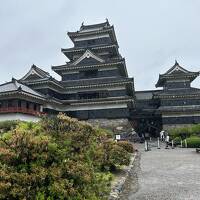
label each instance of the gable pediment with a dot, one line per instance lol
(34, 74)
(177, 70)
(88, 57)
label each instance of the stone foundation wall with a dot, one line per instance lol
(18, 116)
(168, 127)
(115, 125)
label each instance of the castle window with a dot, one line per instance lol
(91, 42)
(19, 104)
(9, 103)
(89, 74)
(27, 105)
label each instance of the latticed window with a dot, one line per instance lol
(91, 42)
(103, 94)
(10, 103)
(88, 74)
(19, 103)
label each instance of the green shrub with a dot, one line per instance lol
(193, 142)
(195, 129)
(8, 125)
(183, 132)
(58, 158)
(126, 146)
(177, 140)
(110, 156)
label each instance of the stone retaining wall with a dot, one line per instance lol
(116, 125)
(172, 126)
(119, 183)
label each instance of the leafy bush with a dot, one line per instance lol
(195, 129)
(8, 125)
(177, 140)
(193, 142)
(126, 145)
(58, 158)
(183, 132)
(111, 155)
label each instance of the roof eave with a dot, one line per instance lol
(16, 92)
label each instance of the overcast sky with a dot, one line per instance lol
(151, 34)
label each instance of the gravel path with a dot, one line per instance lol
(165, 174)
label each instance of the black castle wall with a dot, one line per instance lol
(85, 75)
(100, 113)
(180, 102)
(181, 84)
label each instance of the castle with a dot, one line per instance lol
(95, 86)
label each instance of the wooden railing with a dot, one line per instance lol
(21, 110)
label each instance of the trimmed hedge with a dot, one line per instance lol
(185, 132)
(193, 142)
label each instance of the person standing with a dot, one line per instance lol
(167, 141)
(162, 135)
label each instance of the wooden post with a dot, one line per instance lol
(185, 143)
(158, 143)
(181, 143)
(172, 144)
(146, 145)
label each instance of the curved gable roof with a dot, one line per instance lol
(15, 86)
(35, 73)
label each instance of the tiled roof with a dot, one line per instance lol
(37, 72)
(145, 95)
(78, 49)
(69, 66)
(41, 71)
(179, 92)
(92, 26)
(85, 29)
(176, 72)
(15, 86)
(96, 81)
(176, 69)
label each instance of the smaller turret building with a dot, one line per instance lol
(177, 104)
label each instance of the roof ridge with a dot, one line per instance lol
(94, 46)
(174, 66)
(89, 32)
(41, 70)
(103, 24)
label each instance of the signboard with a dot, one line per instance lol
(118, 137)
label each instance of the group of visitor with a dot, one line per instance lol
(164, 137)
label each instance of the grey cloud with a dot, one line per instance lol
(151, 34)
